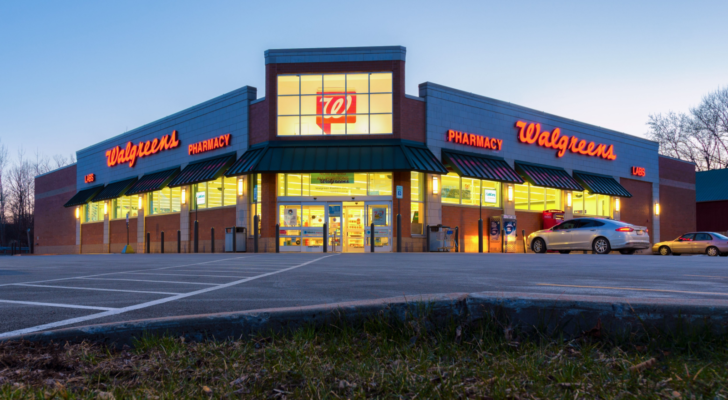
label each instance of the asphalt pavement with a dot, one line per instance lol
(39, 293)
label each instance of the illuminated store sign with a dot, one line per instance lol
(336, 108)
(638, 171)
(117, 155)
(89, 178)
(473, 140)
(532, 133)
(209, 144)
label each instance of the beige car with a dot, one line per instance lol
(710, 243)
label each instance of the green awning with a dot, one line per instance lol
(202, 171)
(479, 166)
(83, 196)
(338, 156)
(547, 176)
(601, 184)
(115, 189)
(153, 181)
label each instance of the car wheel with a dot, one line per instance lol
(712, 251)
(538, 246)
(665, 251)
(601, 246)
(564, 251)
(627, 251)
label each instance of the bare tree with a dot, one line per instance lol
(700, 136)
(3, 216)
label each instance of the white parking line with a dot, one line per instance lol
(97, 289)
(207, 276)
(33, 303)
(149, 303)
(140, 280)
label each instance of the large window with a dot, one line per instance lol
(417, 209)
(212, 194)
(165, 201)
(256, 199)
(584, 203)
(335, 184)
(536, 198)
(123, 205)
(335, 104)
(93, 212)
(467, 191)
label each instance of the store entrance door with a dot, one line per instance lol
(334, 226)
(353, 224)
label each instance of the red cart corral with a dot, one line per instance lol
(552, 218)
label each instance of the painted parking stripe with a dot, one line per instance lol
(633, 289)
(34, 303)
(96, 289)
(141, 280)
(201, 275)
(150, 303)
(710, 276)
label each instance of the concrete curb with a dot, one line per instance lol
(527, 312)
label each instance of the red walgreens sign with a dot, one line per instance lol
(117, 155)
(335, 108)
(531, 133)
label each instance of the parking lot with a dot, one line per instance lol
(48, 292)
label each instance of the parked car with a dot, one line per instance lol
(710, 243)
(600, 235)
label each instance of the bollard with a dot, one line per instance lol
(148, 243)
(326, 237)
(179, 241)
(196, 237)
(503, 241)
(255, 233)
(162, 238)
(457, 239)
(278, 238)
(372, 238)
(399, 233)
(427, 239)
(523, 233)
(235, 244)
(212, 239)
(480, 235)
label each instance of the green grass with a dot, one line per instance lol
(379, 359)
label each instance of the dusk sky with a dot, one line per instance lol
(74, 73)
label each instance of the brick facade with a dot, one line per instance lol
(638, 209)
(156, 224)
(219, 219)
(677, 199)
(55, 226)
(117, 235)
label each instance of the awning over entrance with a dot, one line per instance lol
(154, 181)
(115, 189)
(480, 167)
(83, 196)
(541, 175)
(338, 156)
(202, 171)
(601, 184)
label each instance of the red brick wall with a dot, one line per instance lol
(712, 216)
(117, 234)
(55, 226)
(531, 222)
(259, 122)
(466, 219)
(402, 178)
(155, 225)
(413, 120)
(259, 135)
(92, 234)
(219, 218)
(637, 209)
(679, 212)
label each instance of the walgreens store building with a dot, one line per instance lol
(329, 145)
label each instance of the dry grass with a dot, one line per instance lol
(381, 359)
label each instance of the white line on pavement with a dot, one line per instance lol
(140, 280)
(149, 303)
(33, 303)
(96, 289)
(207, 276)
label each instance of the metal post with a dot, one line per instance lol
(326, 236)
(480, 235)
(278, 238)
(255, 233)
(372, 238)
(503, 241)
(523, 233)
(457, 239)
(427, 239)
(196, 248)
(162, 242)
(148, 243)
(179, 242)
(212, 238)
(399, 232)
(235, 239)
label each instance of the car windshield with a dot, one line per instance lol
(719, 236)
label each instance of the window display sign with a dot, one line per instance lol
(290, 216)
(117, 155)
(334, 210)
(379, 215)
(209, 144)
(490, 196)
(470, 139)
(336, 109)
(532, 134)
(332, 178)
(200, 196)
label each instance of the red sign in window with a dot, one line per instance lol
(638, 171)
(335, 109)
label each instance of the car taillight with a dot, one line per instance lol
(624, 229)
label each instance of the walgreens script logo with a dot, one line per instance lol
(335, 108)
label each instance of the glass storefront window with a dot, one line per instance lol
(584, 203)
(220, 192)
(380, 184)
(165, 201)
(417, 208)
(230, 191)
(536, 198)
(313, 216)
(335, 184)
(450, 192)
(590, 204)
(290, 216)
(604, 205)
(123, 205)
(93, 212)
(491, 193)
(470, 191)
(520, 196)
(553, 199)
(417, 186)
(335, 104)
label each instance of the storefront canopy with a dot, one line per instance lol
(154, 181)
(202, 171)
(601, 184)
(480, 167)
(83, 196)
(338, 156)
(115, 189)
(552, 177)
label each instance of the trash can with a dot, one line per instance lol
(241, 239)
(552, 218)
(441, 238)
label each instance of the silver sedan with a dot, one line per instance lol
(600, 235)
(710, 243)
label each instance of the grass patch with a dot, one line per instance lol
(381, 358)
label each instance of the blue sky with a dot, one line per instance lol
(73, 73)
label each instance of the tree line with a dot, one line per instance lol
(17, 191)
(699, 135)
